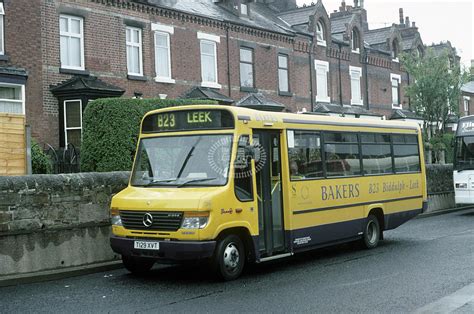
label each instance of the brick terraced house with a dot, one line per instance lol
(57, 55)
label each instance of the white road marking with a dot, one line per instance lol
(451, 302)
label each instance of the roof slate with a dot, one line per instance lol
(377, 36)
(334, 108)
(338, 25)
(261, 16)
(205, 93)
(260, 102)
(299, 16)
(468, 87)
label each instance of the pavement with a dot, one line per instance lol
(56, 274)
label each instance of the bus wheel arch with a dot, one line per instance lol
(231, 253)
(244, 235)
(373, 228)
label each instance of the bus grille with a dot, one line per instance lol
(162, 221)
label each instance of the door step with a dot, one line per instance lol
(271, 258)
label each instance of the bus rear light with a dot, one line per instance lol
(195, 220)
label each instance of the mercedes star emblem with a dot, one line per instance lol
(147, 220)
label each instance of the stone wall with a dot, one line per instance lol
(59, 221)
(54, 221)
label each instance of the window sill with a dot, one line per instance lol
(396, 106)
(211, 85)
(356, 51)
(248, 89)
(359, 103)
(136, 78)
(323, 99)
(321, 43)
(4, 58)
(74, 71)
(396, 60)
(165, 80)
(286, 94)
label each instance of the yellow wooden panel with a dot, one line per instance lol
(12, 144)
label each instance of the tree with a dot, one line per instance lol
(435, 88)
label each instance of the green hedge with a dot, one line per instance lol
(110, 131)
(439, 178)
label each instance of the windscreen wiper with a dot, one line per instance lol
(195, 180)
(157, 182)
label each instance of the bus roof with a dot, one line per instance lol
(296, 118)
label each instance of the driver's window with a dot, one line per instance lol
(243, 171)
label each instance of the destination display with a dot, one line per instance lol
(188, 120)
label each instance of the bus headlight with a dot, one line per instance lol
(195, 220)
(115, 219)
(461, 185)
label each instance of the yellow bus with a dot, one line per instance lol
(232, 185)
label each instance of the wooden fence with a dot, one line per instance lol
(12, 144)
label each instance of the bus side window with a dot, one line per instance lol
(243, 171)
(304, 155)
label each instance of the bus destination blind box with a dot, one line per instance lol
(187, 120)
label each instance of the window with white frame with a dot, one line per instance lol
(2, 30)
(356, 74)
(283, 84)
(71, 32)
(134, 51)
(322, 86)
(320, 34)
(246, 67)
(73, 122)
(244, 9)
(208, 45)
(395, 49)
(395, 81)
(355, 42)
(466, 100)
(12, 98)
(163, 52)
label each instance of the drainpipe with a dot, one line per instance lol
(366, 78)
(228, 60)
(340, 75)
(311, 65)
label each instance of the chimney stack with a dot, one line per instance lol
(400, 11)
(407, 21)
(361, 4)
(413, 24)
(342, 8)
(356, 3)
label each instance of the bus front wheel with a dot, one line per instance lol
(137, 265)
(371, 235)
(229, 258)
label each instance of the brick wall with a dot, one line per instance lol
(32, 28)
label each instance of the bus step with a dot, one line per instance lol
(270, 258)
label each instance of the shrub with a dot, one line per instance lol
(110, 131)
(40, 162)
(439, 178)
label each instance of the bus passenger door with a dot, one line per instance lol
(269, 192)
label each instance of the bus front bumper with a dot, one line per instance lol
(168, 250)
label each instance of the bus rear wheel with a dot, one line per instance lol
(371, 235)
(137, 265)
(229, 257)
